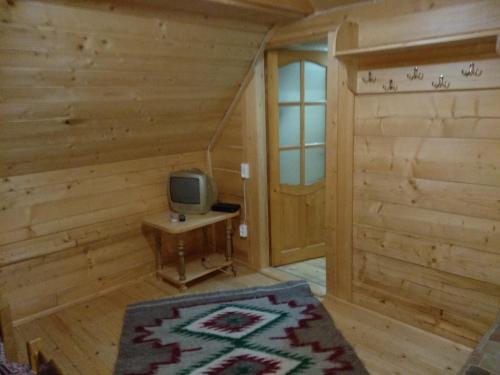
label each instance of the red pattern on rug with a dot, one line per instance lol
(268, 366)
(337, 351)
(221, 323)
(290, 332)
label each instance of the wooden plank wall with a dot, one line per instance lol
(71, 233)
(84, 86)
(98, 104)
(426, 183)
(427, 209)
(227, 156)
(244, 140)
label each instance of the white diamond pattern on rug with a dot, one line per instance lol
(247, 361)
(232, 322)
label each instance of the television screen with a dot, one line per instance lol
(185, 190)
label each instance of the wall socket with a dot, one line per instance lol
(245, 170)
(243, 231)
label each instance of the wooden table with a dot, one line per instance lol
(184, 272)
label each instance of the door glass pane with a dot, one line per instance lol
(289, 132)
(290, 167)
(314, 82)
(314, 165)
(314, 118)
(289, 83)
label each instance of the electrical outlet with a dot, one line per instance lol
(243, 231)
(245, 170)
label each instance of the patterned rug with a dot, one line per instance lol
(279, 329)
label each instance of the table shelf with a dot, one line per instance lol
(194, 269)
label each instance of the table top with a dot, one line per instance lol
(162, 221)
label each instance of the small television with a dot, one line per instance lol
(191, 192)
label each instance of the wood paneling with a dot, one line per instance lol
(227, 155)
(321, 5)
(390, 21)
(243, 139)
(81, 84)
(255, 146)
(71, 233)
(99, 101)
(339, 168)
(266, 12)
(427, 209)
(450, 306)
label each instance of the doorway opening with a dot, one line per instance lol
(297, 100)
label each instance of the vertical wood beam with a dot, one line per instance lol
(331, 166)
(339, 168)
(255, 145)
(272, 122)
(345, 163)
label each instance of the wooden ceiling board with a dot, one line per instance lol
(263, 12)
(320, 5)
(85, 84)
(302, 7)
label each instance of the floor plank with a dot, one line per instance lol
(84, 338)
(312, 270)
(388, 346)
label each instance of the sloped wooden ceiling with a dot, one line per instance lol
(268, 12)
(320, 5)
(88, 82)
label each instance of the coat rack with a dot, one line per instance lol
(370, 79)
(415, 74)
(435, 62)
(390, 86)
(441, 83)
(472, 71)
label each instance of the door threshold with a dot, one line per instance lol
(318, 290)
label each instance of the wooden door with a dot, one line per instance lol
(297, 110)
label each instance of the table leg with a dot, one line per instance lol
(204, 250)
(182, 261)
(158, 252)
(229, 244)
(229, 240)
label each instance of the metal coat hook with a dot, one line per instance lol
(370, 79)
(472, 71)
(391, 86)
(415, 74)
(441, 83)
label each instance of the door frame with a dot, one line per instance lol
(336, 279)
(274, 60)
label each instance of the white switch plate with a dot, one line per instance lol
(243, 231)
(245, 170)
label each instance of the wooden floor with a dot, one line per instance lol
(312, 270)
(83, 338)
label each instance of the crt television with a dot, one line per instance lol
(191, 192)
